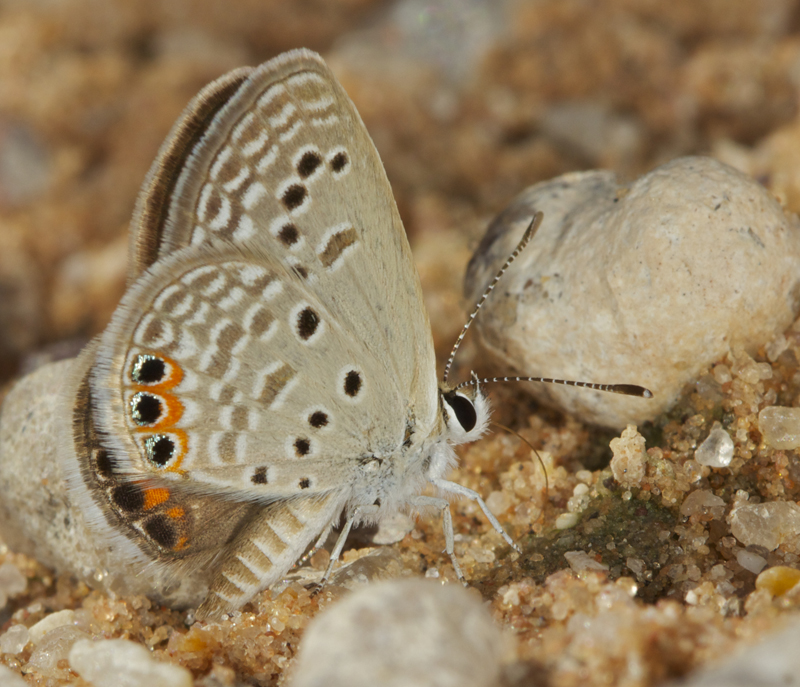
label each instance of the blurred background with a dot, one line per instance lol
(468, 101)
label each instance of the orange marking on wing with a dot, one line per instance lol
(182, 448)
(172, 380)
(176, 513)
(155, 496)
(181, 544)
(173, 408)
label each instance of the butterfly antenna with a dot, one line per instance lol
(625, 389)
(526, 237)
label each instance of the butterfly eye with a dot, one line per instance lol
(463, 409)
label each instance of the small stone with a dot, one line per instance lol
(751, 561)
(8, 678)
(780, 427)
(778, 580)
(49, 623)
(766, 524)
(580, 561)
(49, 656)
(399, 633)
(702, 500)
(14, 639)
(392, 529)
(630, 458)
(644, 283)
(567, 521)
(122, 663)
(717, 449)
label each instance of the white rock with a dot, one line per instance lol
(766, 524)
(629, 462)
(14, 639)
(49, 623)
(122, 663)
(780, 426)
(751, 561)
(8, 678)
(647, 283)
(717, 449)
(580, 561)
(702, 500)
(49, 655)
(401, 634)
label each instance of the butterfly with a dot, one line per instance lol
(270, 369)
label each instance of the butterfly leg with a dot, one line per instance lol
(453, 488)
(443, 505)
(354, 515)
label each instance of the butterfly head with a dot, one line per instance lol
(466, 412)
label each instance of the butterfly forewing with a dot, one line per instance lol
(288, 164)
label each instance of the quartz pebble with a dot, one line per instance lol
(778, 580)
(580, 561)
(8, 678)
(646, 283)
(717, 449)
(14, 639)
(751, 561)
(700, 501)
(766, 524)
(49, 623)
(629, 462)
(122, 663)
(407, 632)
(780, 426)
(49, 655)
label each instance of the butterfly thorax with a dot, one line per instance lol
(389, 482)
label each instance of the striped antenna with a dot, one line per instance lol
(526, 237)
(626, 389)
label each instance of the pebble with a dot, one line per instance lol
(778, 579)
(14, 639)
(629, 462)
(49, 655)
(580, 561)
(51, 622)
(766, 524)
(717, 449)
(8, 678)
(701, 501)
(773, 662)
(780, 427)
(122, 663)
(751, 561)
(401, 633)
(647, 283)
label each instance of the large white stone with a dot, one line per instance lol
(644, 283)
(401, 634)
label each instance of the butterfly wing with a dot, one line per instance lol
(288, 164)
(275, 334)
